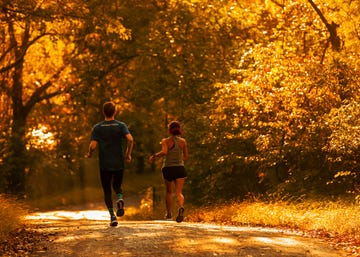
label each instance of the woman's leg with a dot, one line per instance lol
(168, 196)
(179, 184)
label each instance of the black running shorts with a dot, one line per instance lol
(173, 172)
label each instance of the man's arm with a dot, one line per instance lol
(129, 147)
(92, 147)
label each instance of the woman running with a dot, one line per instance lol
(174, 149)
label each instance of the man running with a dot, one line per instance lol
(109, 134)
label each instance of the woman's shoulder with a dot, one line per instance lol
(166, 140)
(182, 141)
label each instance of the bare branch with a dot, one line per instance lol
(23, 53)
(3, 55)
(12, 65)
(21, 50)
(278, 4)
(324, 52)
(334, 38)
(51, 95)
(39, 95)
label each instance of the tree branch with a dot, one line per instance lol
(3, 55)
(324, 52)
(334, 38)
(278, 4)
(23, 53)
(26, 43)
(39, 95)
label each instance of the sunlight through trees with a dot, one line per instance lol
(267, 90)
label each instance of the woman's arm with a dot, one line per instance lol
(185, 150)
(163, 152)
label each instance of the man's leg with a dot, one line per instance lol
(106, 185)
(105, 178)
(117, 183)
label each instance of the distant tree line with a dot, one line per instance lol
(267, 91)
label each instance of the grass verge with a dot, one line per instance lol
(335, 217)
(10, 216)
(335, 221)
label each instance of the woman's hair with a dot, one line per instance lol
(174, 128)
(109, 109)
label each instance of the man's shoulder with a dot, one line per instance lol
(110, 123)
(98, 124)
(120, 122)
(113, 125)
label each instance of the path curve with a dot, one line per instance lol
(88, 234)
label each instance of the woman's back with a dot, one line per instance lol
(174, 156)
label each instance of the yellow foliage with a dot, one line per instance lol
(10, 216)
(338, 217)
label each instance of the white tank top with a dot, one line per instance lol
(174, 156)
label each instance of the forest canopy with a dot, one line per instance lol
(267, 91)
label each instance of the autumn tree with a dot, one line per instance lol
(270, 117)
(22, 29)
(36, 70)
(263, 88)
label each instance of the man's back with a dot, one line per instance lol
(109, 135)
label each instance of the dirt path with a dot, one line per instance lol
(87, 233)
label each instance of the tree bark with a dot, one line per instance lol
(15, 164)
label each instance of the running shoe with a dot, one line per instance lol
(120, 208)
(180, 216)
(168, 216)
(113, 221)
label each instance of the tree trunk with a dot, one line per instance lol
(16, 162)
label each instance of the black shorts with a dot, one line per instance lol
(173, 172)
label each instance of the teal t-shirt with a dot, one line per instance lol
(110, 135)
